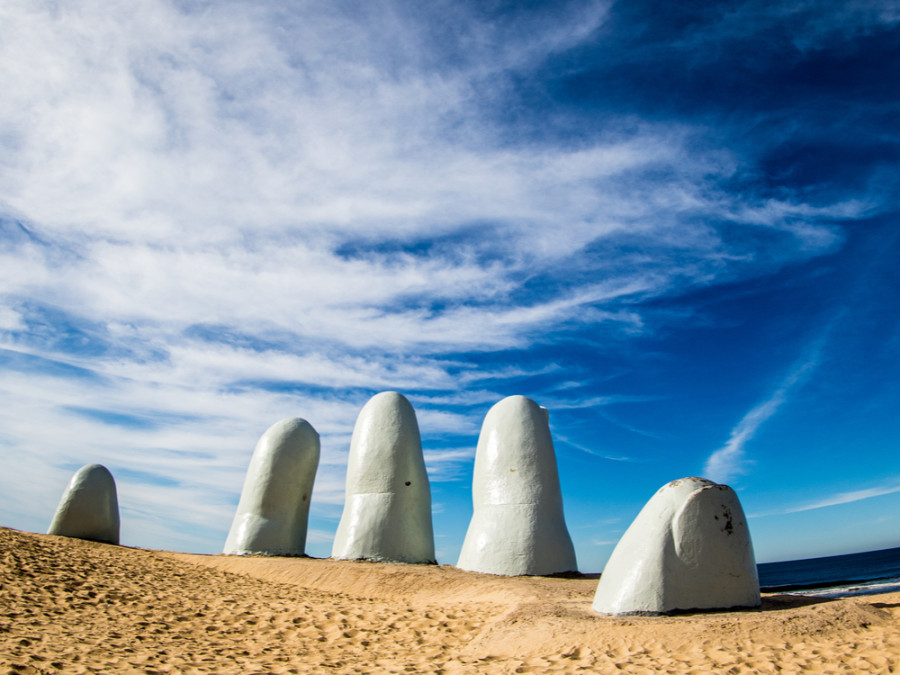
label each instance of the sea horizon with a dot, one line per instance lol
(849, 574)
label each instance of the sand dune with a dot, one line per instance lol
(74, 606)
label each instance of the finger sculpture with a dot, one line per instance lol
(688, 548)
(517, 525)
(89, 507)
(273, 512)
(387, 513)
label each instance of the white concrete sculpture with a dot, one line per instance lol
(89, 507)
(387, 512)
(689, 548)
(517, 526)
(273, 512)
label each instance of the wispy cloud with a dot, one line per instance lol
(835, 500)
(729, 461)
(562, 439)
(214, 218)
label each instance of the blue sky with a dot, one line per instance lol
(675, 226)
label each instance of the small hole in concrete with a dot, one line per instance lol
(407, 483)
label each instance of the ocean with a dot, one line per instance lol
(838, 576)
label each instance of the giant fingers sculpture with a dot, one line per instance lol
(273, 512)
(89, 507)
(517, 525)
(688, 548)
(387, 512)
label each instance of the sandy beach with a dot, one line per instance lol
(73, 606)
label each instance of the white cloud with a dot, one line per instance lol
(847, 498)
(729, 461)
(238, 213)
(10, 319)
(835, 500)
(447, 464)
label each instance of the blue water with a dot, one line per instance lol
(835, 576)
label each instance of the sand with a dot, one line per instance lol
(74, 606)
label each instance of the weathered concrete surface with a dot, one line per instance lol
(89, 507)
(387, 513)
(517, 526)
(688, 548)
(273, 513)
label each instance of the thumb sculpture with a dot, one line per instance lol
(387, 513)
(89, 508)
(273, 512)
(688, 548)
(517, 526)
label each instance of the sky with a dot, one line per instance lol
(674, 225)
